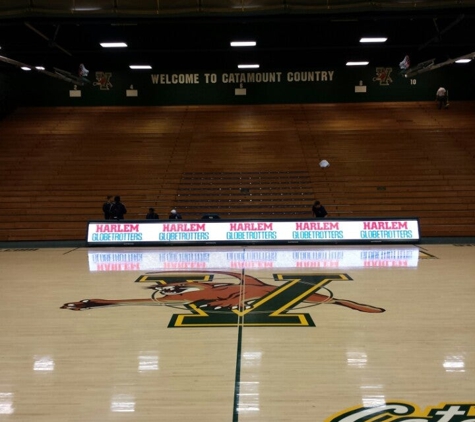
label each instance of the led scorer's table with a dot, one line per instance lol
(216, 232)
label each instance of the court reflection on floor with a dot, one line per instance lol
(144, 259)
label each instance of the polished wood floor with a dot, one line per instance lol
(306, 333)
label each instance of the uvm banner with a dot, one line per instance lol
(175, 232)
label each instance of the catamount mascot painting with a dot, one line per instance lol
(198, 292)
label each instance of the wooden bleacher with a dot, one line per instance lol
(387, 160)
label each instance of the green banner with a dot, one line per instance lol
(331, 85)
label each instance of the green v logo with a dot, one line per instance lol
(269, 310)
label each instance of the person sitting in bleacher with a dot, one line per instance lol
(174, 215)
(152, 215)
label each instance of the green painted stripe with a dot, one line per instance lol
(237, 375)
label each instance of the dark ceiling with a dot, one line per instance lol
(195, 34)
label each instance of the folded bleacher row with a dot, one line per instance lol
(386, 160)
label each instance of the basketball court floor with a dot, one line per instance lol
(238, 333)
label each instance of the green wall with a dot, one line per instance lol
(108, 88)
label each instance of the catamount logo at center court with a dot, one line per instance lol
(235, 299)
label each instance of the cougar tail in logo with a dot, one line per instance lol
(97, 303)
(357, 306)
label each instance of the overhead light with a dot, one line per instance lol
(248, 66)
(140, 66)
(39, 67)
(463, 61)
(243, 43)
(26, 68)
(373, 39)
(357, 63)
(113, 44)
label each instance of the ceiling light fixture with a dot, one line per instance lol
(113, 44)
(373, 39)
(463, 61)
(357, 63)
(243, 43)
(26, 68)
(140, 66)
(248, 66)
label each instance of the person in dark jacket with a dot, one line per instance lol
(117, 209)
(106, 207)
(152, 215)
(318, 210)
